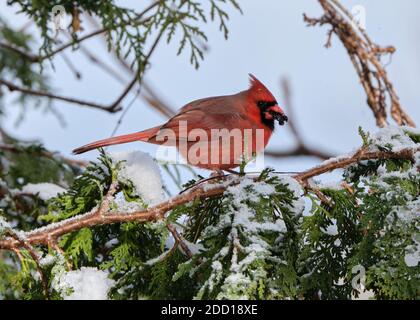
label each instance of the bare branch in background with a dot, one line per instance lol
(136, 77)
(112, 108)
(148, 93)
(36, 59)
(366, 58)
(156, 102)
(77, 74)
(24, 55)
(301, 148)
(13, 87)
(46, 154)
(101, 64)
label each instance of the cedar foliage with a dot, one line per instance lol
(263, 238)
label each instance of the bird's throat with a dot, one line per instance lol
(269, 123)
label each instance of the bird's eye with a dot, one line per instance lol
(266, 104)
(261, 104)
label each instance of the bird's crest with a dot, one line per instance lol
(258, 89)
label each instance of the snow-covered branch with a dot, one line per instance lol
(209, 189)
(98, 217)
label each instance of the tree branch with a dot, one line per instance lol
(46, 154)
(99, 217)
(299, 151)
(102, 216)
(37, 59)
(34, 255)
(114, 107)
(301, 148)
(24, 55)
(138, 73)
(13, 87)
(148, 93)
(365, 56)
(361, 155)
(178, 238)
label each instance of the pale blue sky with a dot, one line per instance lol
(270, 40)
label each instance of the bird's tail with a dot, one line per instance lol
(138, 136)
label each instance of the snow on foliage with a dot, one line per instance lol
(4, 225)
(47, 260)
(84, 284)
(393, 138)
(255, 234)
(263, 238)
(331, 229)
(45, 191)
(412, 256)
(397, 187)
(407, 213)
(142, 170)
(298, 203)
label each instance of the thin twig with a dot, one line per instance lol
(71, 66)
(178, 238)
(35, 257)
(46, 154)
(52, 243)
(36, 59)
(138, 73)
(357, 157)
(114, 107)
(299, 151)
(94, 59)
(13, 87)
(27, 56)
(301, 148)
(148, 94)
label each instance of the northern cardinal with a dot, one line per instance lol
(203, 130)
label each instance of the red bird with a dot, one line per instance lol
(214, 133)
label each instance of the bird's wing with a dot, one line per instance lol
(210, 104)
(183, 125)
(204, 115)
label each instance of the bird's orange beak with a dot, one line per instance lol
(277, 113)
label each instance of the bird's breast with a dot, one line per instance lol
(225, 148)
